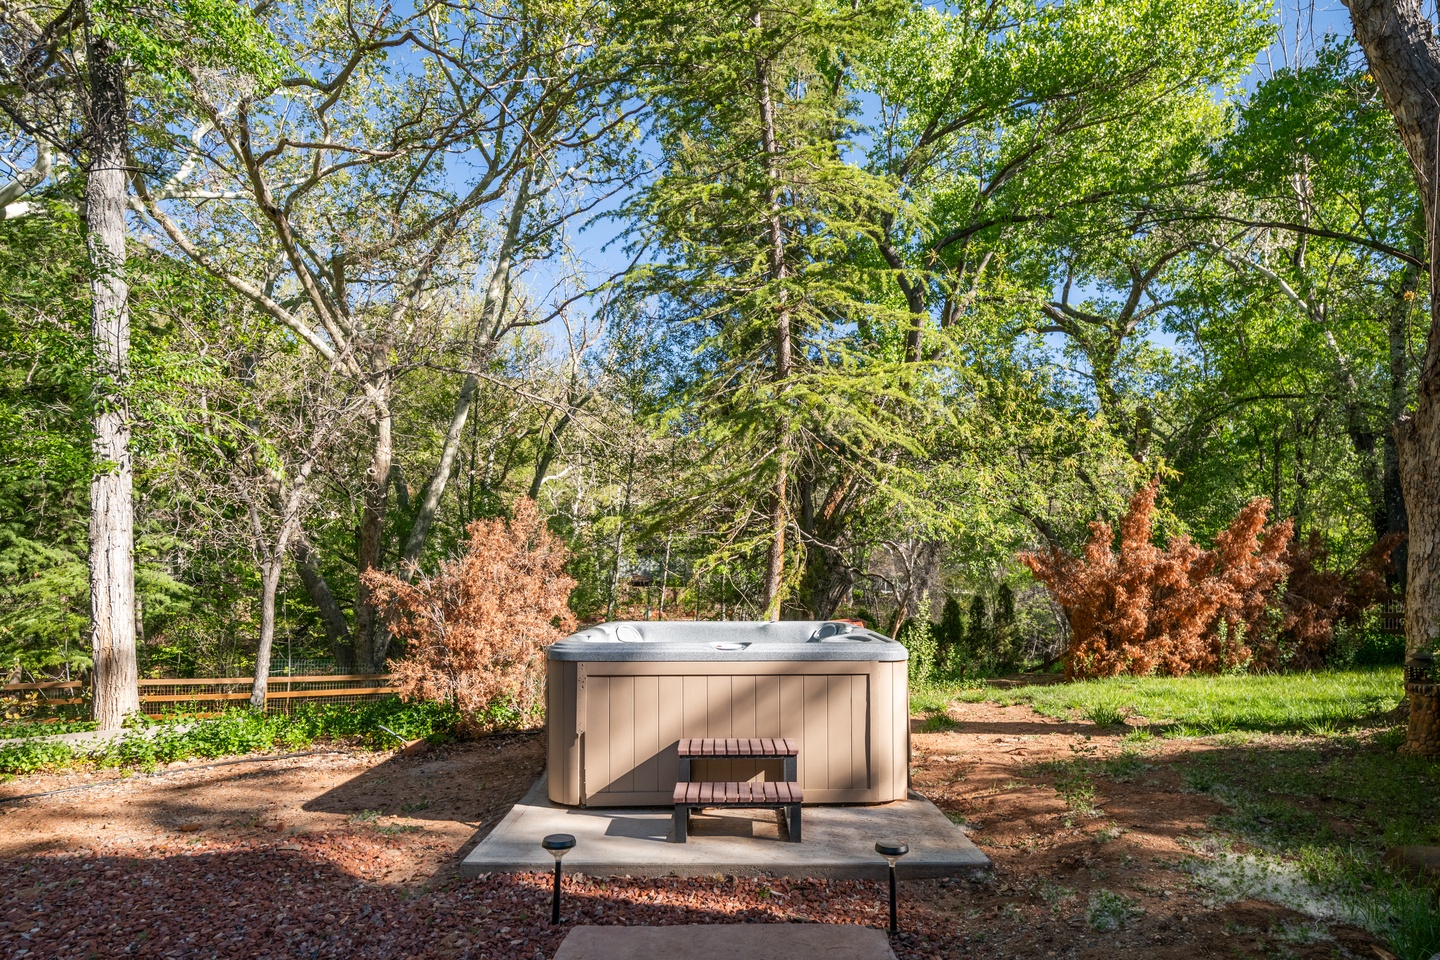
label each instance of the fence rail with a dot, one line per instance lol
(158, 695)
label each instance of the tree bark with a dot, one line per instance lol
(337, 628)
(269, 585)
(779, 514)
(552, 445)
(370, 637)
(115, 686)
(1404, 58)
(827, 577)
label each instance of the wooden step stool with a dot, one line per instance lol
(784, 795)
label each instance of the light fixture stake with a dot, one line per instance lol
(892, 851)
(558, 844)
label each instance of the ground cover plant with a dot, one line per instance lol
(180, 736)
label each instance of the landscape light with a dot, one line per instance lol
(892, 851)
(558, 844)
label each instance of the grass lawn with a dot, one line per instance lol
(1316, 703)
(1305, 765)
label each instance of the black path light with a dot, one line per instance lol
(892, 851)
(558, 844)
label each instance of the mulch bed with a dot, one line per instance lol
(312, 898)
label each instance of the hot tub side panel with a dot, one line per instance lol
(562, 732)
(615, 745)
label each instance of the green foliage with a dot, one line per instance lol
(950, 644)
(1105, 714)
(380, 724)
(164, 38)
(32, 755)
(1107, 911)
(918, 636)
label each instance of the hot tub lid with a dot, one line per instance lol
(728, 640)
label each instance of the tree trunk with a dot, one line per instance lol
(827, 580)
(115, 684)
(620, 539)
(370, 638)
(552, 446)
(1391, 489)
(779, 514)
(337, 629)
(1404, 58)
(269, 585)
(664, 578)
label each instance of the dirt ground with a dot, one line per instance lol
(351, 854)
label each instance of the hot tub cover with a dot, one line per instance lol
(727, 641)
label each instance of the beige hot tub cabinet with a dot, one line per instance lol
(621, 695)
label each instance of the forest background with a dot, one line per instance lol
(805, 310)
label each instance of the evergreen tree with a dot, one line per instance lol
(1007, 640)
(761, 222)
(978, 638)
(950, 639)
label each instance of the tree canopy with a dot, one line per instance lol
(802, 310)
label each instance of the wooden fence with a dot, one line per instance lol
(157, 696)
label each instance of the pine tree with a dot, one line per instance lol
(979, 641)
(761, 223)
(950, 639)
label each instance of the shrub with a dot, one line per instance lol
(1317, 600)
(475, 632)
(1142, 610)
(950, 655)
(918, 636)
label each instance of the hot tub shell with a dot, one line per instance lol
(620, 696)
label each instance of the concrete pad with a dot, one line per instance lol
(839, 842)
(753, 941)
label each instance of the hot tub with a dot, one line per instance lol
(620, 695)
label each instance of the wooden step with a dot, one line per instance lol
(729, 793)
(760, 747)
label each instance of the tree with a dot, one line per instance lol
(1404, 56)
(83, 54)
(757, 213)
(436, 117)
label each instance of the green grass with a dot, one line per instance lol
(1327, 810)
(1304, 765)
(150, 742)
(1321, 703)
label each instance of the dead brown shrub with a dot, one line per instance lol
(1142, 609)
(1317, 597)
(475, 632)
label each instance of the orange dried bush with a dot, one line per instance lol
(1140, 609)
(475, 632)
(1316, 597)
